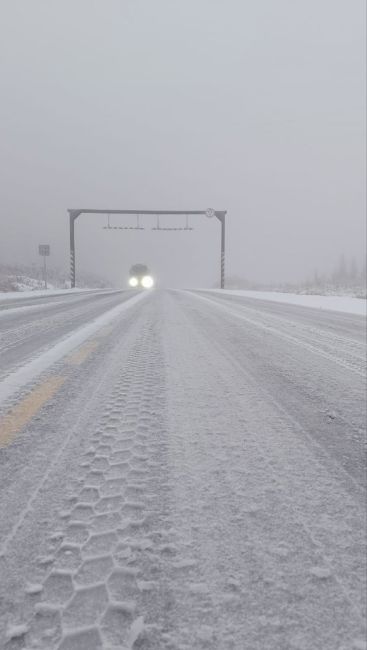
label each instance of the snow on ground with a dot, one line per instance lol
(344, 304)
(6, 310)
(20, 282)
(27, 373)
(196, 484)
(40, 293)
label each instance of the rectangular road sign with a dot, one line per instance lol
(44, 250)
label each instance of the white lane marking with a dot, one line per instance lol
(19, 378)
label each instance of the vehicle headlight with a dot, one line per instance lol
(147, 282)
(133, 282)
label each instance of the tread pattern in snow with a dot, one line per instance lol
(88, 589)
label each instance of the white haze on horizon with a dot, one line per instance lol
(257, 108)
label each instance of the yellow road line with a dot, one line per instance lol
(23, 412)
(76, 358)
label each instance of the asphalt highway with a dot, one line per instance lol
(181, 470)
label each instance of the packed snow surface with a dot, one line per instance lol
(17, 379)
(335, 303)
(196, 483)
(38, 293)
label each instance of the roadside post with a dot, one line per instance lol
(44, 251)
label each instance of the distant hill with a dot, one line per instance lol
(324, 286)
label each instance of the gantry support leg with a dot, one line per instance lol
(73, 216)
(222, 218)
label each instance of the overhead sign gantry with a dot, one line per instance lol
(219, 214)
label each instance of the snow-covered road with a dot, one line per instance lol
(187, 474)
(29, 326)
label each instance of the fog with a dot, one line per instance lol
(256, 108)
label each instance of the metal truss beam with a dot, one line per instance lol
(76, 212)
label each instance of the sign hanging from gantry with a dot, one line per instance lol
(74, 213)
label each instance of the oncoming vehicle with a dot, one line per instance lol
(140, 277)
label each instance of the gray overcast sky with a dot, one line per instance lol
(254, 106)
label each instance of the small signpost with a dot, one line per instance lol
(44, 251)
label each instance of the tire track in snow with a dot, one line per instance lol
(347, 358)
(91, 584)
(203, 516)
(281, 474)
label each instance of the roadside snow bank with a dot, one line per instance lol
(334, 303)
(40, 293)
